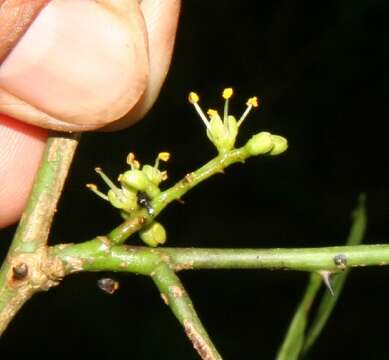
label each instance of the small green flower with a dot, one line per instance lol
(222, 132)
(155, 175)
(146, 180)
(121, 198)
(137, 180)
(133, 182)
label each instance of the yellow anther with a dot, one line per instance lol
(252, 102)
(212, 112)
(164, 175)
(92, 187)
(130, 158)
(227, 93)
(164, 156)
(193, 98)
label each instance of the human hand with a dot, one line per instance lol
(73, 91)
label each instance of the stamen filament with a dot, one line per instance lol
(244, 115)
(163, 156)
(109, 182)
(225, 114)
(94, 188)
(227, 93)
(202, 115)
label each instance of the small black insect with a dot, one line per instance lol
(144, 201)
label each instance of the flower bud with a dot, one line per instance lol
(260, 143)
(280, 145)
(153, 174)
(154, 234)
(137, 179)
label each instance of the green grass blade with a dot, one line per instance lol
(294, 338)
(328, 301)
(297, 341)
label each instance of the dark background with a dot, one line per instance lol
(321, 70)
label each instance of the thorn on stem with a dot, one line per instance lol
(326, 276)
(188, 178)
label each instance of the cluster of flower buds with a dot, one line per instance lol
(138, 187)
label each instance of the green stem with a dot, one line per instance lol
(101, 255)
(304, 259)
(35, 224)
(22, 273)
(216, 165)
(96, 255)
(139, 218)
(175, 296)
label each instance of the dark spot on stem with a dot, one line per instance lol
(20, 271)
(340, 261)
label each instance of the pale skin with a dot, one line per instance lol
(154, 24)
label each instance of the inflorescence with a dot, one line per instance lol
(141, 184)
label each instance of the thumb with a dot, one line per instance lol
(21, 148)
(80, 65)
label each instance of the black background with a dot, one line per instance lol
(321, 70)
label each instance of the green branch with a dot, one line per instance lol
(34, 226)
(25, 270)
(215, 166)
(139, 218)
(175, 296)
(101, 254)
(94, 255)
